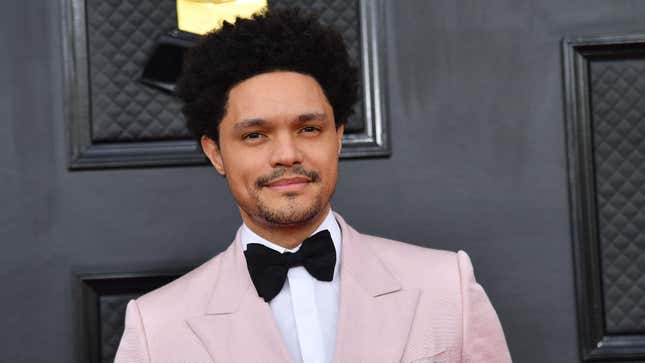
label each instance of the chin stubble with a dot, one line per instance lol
(291, 214)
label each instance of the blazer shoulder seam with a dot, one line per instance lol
(143, 331)
(461, 310)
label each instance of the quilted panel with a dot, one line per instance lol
(120, 36)
(111, 313)
(618, 117)
(122, 33)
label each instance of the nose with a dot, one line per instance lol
(285, 151)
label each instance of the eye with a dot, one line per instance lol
(309, 129)
(252, 136)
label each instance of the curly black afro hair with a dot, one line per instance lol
(273, 40)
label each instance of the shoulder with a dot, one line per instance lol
(398, 250)
(183, 296)
(419, 267)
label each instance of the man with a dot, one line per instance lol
(267, 98)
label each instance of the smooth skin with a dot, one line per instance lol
(278, 149)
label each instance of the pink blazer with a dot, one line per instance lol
(398, 303)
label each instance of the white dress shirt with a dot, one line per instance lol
(306, 309)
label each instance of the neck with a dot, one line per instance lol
(287, 236)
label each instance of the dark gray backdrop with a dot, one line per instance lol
(478, 163)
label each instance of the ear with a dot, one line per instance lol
(340, 130)
(212, 152)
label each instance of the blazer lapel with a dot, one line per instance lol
(375, 313)
(237, 325)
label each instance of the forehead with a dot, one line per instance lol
(276, 94)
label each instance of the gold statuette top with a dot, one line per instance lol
(202, 16)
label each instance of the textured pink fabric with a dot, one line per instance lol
(398, 303)
(133, 344)
(482, 331)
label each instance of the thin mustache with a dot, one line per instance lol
(280, 172)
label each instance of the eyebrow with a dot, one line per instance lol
(314, 116)
(253, 122)
(258, 122)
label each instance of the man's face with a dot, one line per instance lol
(278, 148)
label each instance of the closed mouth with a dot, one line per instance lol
(284, 182)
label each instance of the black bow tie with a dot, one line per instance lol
(268, 268)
